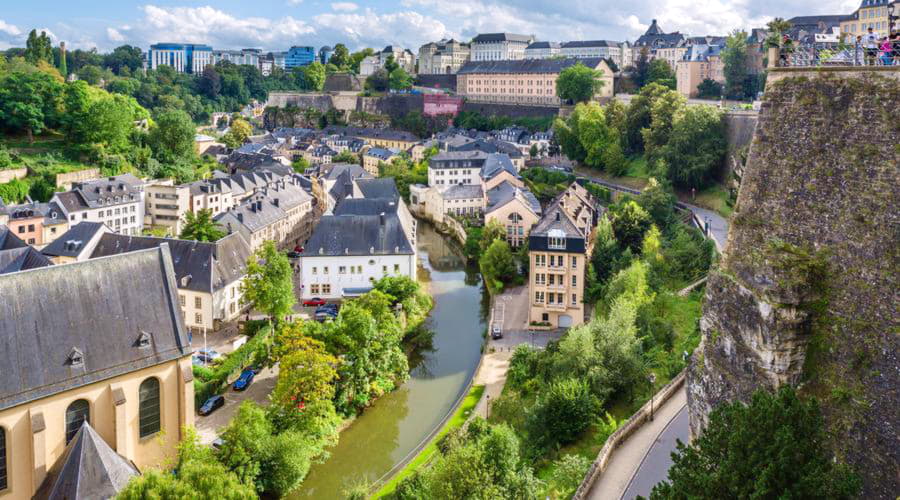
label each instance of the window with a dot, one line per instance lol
(396, 268)
(198, 319)
(325, 270)
(198, 302)
(342, 270)
(314, 289)
(2, 459)
(545, 316)
(315, 270)
(556, 243)
(148, 407)
(326, 289)
(21, 229)
(574, 299)
(384, 269)
(550, 297)
(77, 413)
(574, 280)
(559, 299)
(539, 297)
(574, 262)
(540, 279)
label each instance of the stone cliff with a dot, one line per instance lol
(807, 291)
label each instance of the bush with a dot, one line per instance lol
(564, 411)
(211, 381)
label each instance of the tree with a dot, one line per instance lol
(378, 81)
(400, 79)
(569, 473)
(663, 107)
(201, 227)
(63, 67)
(491, 232)
(659, 201)
(660, 72)
(563, 412)
(390, 64)
(709, 89)
(533, 151)
(578, 83)
(638, 117)
(268, 286)
(38, 48)
(734, 57)
(314, 76)
(237, 134)
(300, 165)
(172, 136)
(124, 58)
(696, 147)
(497, 265)
(604, 259)
(642, 67)
(774, 447)
(355, 59)
(28, 101)
(347, 156)
(341, 56)
(210, 82)
(629, 223)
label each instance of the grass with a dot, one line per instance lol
(50, 141)
(424, 457)
(715, 197)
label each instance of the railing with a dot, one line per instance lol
(839, 54)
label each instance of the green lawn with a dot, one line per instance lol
(457, 420)
(715, 197)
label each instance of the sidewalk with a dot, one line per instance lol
(492, 375)
(627, 458)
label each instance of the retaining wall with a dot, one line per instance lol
(12, 173)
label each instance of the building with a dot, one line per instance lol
(404, 57)
(542, 50)
(183, 57)
(376, 156)
(369, 65)
(77, 244)
(16, 256)
(325, 53)
(870, 14)
(654, 40)
(337, 180)
(490, 146)
(499, 46)
(112, 356)
(456, 167)
(116, 201)
(166, 205)
(297, 57)
(383, 138)
(528, 81)
(701, 62)
(515, 208)
(248, 57)
(443, 58)
(587, 49)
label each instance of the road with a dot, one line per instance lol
(657, 461)
(209, 427)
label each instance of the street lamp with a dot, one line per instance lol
(652, 379)
(487, 408)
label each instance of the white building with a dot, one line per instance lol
(116, 201)
(442, 58)
(249, 57)
(593, 48)
(542, 50)
(499, 46)
(368, 65)
(183, 57)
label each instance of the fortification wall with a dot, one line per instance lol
(807, 291)
(510, 110)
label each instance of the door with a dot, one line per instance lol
(565, 321)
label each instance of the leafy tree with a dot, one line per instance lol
(172, 136)
(663, 108)
(642, 67)
(378, 81)
(567, 133)
(564, 411)
(201, 227)
(124, 58)
(776, 29)
(306, 369)
(594, 134)
(696, 147)
(38, 48)
(688, 254)
(90, 73)
(638, 117)
(237, 134)
(300, 165)
(347, 156)
(390, 64)
(28, 102)
(400, 79)
(659, 201)
(355, 58)
(341, 56)
(14, 191)
(578, 83)
(210, 82)
(533, 151)
(774, 447)
(660, 72)
(734, 57)
(605, 258)
(5, 158)
(709, 89)
(268, 286)
(497, 265)
(314, 76)
(570, 472)
(629, 223)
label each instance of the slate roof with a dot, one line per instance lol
(334, 171)
(8, 239)
(100, 307)
(380, 153)
(87, 469)
(101, 192)
(555, 222)
(501, 37)
(22, 259)
(505, 192)
(495, 164)
(366, 206)
(384, 187)
(701, 53)
(654, 29)
(543, 45)
(73, 242)
(372, 133)
(526, 65)
(655, 37)
(337, 235)
(199, 266)
(462, 192)
(489, 146)
(254, 214)
(451, 159)
(589, 43)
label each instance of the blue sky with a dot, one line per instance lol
(278, 24)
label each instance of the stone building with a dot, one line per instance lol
(442, 58)
(871, 13)
(112, 357)
(115, 201)
(701, 62)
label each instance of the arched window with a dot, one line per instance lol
(76, 414)
(149, 407)
(515, 218)
(3, 483)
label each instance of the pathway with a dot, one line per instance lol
(654, 468)
(626, 461)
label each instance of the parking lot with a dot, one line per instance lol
(511, 312)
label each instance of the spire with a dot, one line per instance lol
(654, 29)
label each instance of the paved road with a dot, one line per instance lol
(511, 311)
(657, 461)
(209, 427)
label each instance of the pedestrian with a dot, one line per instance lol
(887, 52)
(786, 48)
(895, 47)
(870, 45)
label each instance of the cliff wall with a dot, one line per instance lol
(807, 292)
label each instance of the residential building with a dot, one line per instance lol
(701, 62)
(804, 29)
(336, 181)
(376, 156)
(499, 46)
(183, 57)
(586, 49)
(112, 357)
(22, 259)
(443, 58)
(529, 81)
(490, 146)
(117, 201)
(299, 56)
(166, 205)
(369, 65)
(542, 50)
(871, 13)
(456, 167)
(317, 154)
(654, 40)
(383, 138)
(26, 221)
(404, 57)
(77, 244)
(513, 207)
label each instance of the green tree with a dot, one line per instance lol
(497, 265)
(201, 227)
(734, 57)
(696, 146)
(347, 156)
(124, 58)
(578, 83)
(379, 81)
(341, 56)
(570, 472)
(491, 232)
(28, 102)
(355, 58)
(300, 165)
(210, 82)
(172, 136)
(660, 72)
(38, 48)
(400, 79)
(642, 67)
(605, 258)
(63, 67)
(390, 64)
(268, 286)
(237, 134)
(638, 117)
(567, 132)
(306, 369)
(663, 109)
(533, 151)
(565, 409)
(659, 201)
(594, 134)
(709, 89)
(774, 447)
(629, 223)
(314, 76)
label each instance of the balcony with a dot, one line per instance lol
(556, 307)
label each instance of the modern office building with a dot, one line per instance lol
(183, 57)
(325, 54)
(249, 57)
(299, 56)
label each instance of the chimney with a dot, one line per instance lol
(240, 217)
(275, 202)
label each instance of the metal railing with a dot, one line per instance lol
(840, 54)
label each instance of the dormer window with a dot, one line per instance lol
(76, 358)
(144, 340)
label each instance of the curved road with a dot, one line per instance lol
(655, 465)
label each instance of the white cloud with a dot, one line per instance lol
(407, 29)
(9, 29)
(114, 35)
(344, 6)
(294, 2)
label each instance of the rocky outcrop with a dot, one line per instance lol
(807, 291)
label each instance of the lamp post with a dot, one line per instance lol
(487, 407)
(652, 379)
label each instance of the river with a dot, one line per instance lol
(389, 430)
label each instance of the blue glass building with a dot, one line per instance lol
(299, 56)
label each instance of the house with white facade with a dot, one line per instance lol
(499, 46)
(116, 201)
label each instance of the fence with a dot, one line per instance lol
(841, 54)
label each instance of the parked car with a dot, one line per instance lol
(212, 404)
(324, 314)
(206, 356)
(244, 381)
(328, 308)
(496, 332)
(314, 302)
(218, 443)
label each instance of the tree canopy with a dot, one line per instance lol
(578, 83)
(268, 286)
(200, 226)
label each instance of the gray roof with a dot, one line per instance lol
(22, 259)
(452, 159)
(255, 214)
(543, 45)
(505, 192)
(87, 469)
(384, 187)
(489, 146)
(372, 133)
(501, 37)
(589, 43)
(495, 164)
(462, 192)
(358, 235)
(556, 221)
(115, 190)
(99, 307)
(366, 206)
(380, 153)
(74, 241)
(8, 240)
(199, 266)
(527, 65)
(335, 170)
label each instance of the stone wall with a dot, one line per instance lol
(321, 102)
(343, 82)
(510, 110)
(807, 291)
(740, 126)
(65, 180)
(393, 105)
(12, 173)
(437, 81)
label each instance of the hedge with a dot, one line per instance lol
(213, 380)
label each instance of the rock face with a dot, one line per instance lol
(807, 293)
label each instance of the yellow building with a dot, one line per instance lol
(98, 342)
(701, 62)
(870, 14)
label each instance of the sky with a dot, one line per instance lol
(279, 24)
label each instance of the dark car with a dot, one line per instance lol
(329, 308)
(212, 404)
(496, 332)
(323, 314)
(244, 380)
(314, 302)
